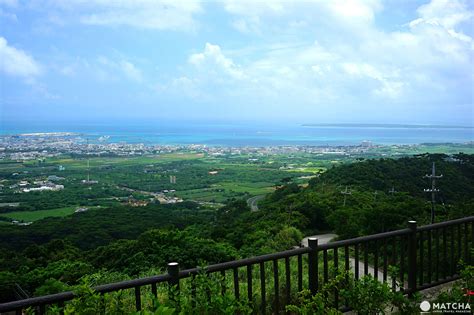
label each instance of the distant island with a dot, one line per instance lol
(407, 126)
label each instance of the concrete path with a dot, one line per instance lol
(322, 239)
(253, 202)
(326, 238)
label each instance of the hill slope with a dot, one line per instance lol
(371, 208)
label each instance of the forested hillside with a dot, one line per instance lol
(384, 194)
(407, 175)
(53, 254)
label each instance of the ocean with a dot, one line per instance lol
(215, 134)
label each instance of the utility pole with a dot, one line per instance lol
(290, 211)
(345, 193)
(88, 171)
(392, 191)
(88, 163)
(432, 190)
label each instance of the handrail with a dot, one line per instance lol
(244, 262)
(171, 278)
(128, 284)
(445, 224)
(363, 239)
(68, 295)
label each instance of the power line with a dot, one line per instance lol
(172, 179)
(433, 190)
(345, 193)
(88, 162)
(392, 191)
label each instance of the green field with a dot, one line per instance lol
(257, 188)
(237, 176)
(221, 191)
(307, 169)
(203, 194)
(122, 161)
(199, 177)
(31, 216)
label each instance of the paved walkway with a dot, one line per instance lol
(322, 239)
(326, 238)
(253, 202)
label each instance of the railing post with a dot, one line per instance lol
(313, 265)
(412, 258)
(173, 271)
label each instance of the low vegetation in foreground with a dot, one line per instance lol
(212, 294)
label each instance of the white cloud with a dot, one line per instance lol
(448, 13)
(389, 86)
(438, 27)
(256, 7)
(212, 59)
(130, 70)
(109, 70)
(361, 70)
(69, 70)
(248, 25)
(423, 62)
(143, 14)
(255, 16)
(16, 62)
(355, 9)
(309, 54)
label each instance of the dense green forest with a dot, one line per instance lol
(119, 242)
(372, 207)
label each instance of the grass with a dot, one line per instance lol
(251, 188)
(70, 163)
(230, 189)
(307, 169)
(11, 166)
(203, 194)
(31, 216)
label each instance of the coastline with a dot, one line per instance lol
(327, 135)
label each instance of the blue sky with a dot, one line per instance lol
(394, 61)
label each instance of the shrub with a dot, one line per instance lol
(368, 296)
(320, 303)
(458, 291)
(208, 294)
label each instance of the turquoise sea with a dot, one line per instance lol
(240, 134)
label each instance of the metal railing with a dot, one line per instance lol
(425, 256)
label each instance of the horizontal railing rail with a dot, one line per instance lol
(364, 239)
(245, 262)
(445, 223)
(426, 256)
